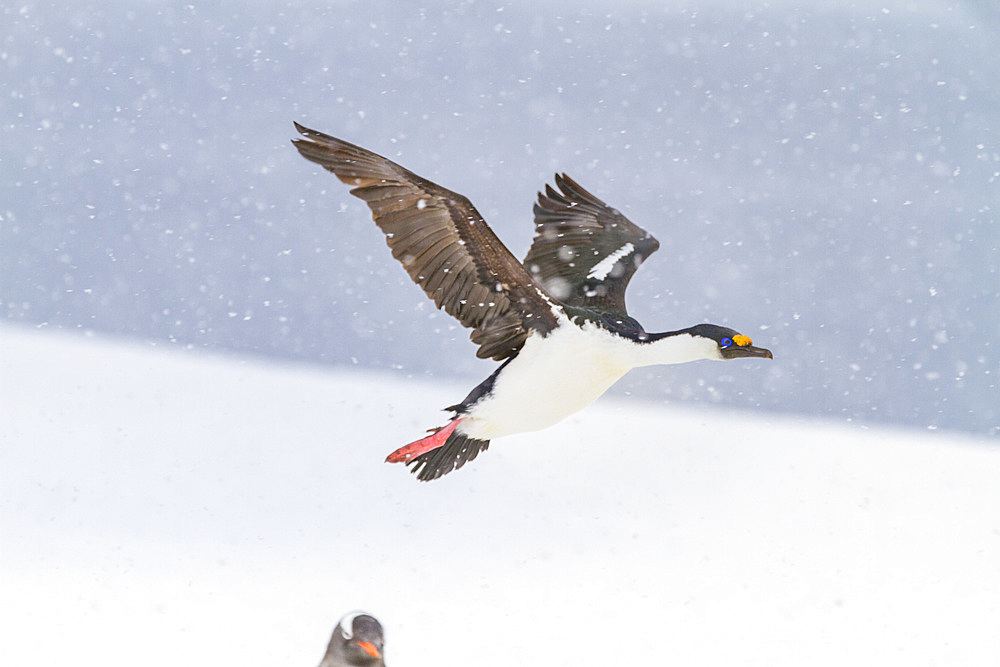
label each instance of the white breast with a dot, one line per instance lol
(550, 379)
(553, 377)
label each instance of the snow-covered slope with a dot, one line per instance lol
(162, 507)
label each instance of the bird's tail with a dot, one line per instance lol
(439, 453)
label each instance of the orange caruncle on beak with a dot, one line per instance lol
(370, 649)
(742, 340)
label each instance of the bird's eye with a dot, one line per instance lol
(726, 342)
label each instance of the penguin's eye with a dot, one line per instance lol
(726, 342)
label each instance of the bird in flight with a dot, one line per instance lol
(557, 320)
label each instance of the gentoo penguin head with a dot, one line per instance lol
(357, 641)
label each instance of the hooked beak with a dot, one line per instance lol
(370, 649)
(738, 351)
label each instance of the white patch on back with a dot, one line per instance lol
(604, 267)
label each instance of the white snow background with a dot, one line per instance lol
(169, 507)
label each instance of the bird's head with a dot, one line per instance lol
(359, 639)
(729, 344)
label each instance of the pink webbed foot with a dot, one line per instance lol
(407, 453)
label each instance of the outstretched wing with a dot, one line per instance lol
(585, 252)
(444, 244)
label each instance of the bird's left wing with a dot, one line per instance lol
(444, 244)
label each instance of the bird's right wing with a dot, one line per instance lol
(585, 252)
(444, 244)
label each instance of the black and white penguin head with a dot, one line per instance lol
(357, 640)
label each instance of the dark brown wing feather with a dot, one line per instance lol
(443, 243)
(574, 233)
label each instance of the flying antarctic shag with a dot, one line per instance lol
(557, 320)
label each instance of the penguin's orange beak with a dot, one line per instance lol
(370, 649)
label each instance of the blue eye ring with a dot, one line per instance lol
(726, 342)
